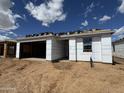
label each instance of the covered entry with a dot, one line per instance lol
(65, 49)
(33, 49)
(60, 50)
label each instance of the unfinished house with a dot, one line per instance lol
(73, 46)
(118, 47)
(8, 48)
(44, 46)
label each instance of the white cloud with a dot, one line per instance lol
(89, 9)
(3, 37)
(85, 23)
(121, 7)
(119, 32)
(7, 35)
(105, 18)
(48, 12)
(11, 33)
(121, 36)
(7, 17)
(95, 18)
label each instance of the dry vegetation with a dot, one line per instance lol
(63, 77)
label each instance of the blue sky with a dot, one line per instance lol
(35, 16)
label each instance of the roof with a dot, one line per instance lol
(36, 38)
(47, 35)
(88, 33)
(118, 41)
(14, 41)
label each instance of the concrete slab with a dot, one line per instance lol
(34, 59)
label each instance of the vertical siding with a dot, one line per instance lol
(96, 49)
(80, 49)
(101, 49)
(49, 50)
(72, 49)
(119, 49)
(18, 50)
(82, 56)
(106, 49)
(57, 49)
(54, 49)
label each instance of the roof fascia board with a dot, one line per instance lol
(85, 35)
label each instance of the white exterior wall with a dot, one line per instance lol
(119, 49)
(101, 49)
(80, 49)
(96, 49)
(54, 49)
(49, 49)
(106, 49)
(72, 49)
(57, 49)
(18, 50)
(82, 56)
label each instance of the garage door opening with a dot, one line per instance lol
(1, 49)
(33, 50)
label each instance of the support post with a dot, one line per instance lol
(91, 62)
(5, 50)
(18, 50)
(72, 49)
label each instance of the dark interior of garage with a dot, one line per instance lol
(33, 50)
(1, 49)
(66, 49)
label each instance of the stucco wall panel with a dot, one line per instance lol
(72, 49)
(18, 50)
(96, 49)
(57, 49)
(119, 49)
(106, 49)
(49, 50)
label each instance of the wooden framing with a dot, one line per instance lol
(9, 48)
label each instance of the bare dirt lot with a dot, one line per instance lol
(17, 76)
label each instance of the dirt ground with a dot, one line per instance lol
(19, 76)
